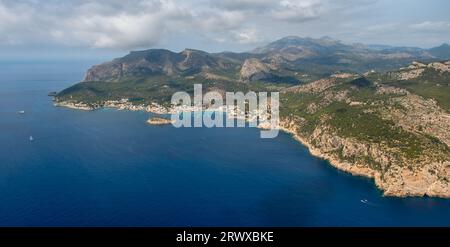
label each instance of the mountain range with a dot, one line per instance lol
(291, 59)
(375, 111)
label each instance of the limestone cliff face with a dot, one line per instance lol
(378, 129)
(254, 70)
(416, 69)
(427, 178)
(289, 53)
(158, 62)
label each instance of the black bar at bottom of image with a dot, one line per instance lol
(226, 236)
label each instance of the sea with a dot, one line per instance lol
(110, 168)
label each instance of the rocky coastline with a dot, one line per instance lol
(403, 183)
(159, 121)
(119, 105)
(75, 105)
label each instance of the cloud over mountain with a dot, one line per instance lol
(136, 24)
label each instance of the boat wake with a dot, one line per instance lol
(365, 201)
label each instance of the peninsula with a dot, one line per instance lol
(382, 114)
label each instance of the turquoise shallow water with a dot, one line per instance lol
(109, 168)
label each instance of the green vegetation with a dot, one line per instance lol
(430, 84)
(370, 128)
(138, 90)
(157, 89)
(362, 121)
(350, 107)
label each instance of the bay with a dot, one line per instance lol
(110, 168)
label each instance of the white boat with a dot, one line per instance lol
(21, 112)
(31, 138)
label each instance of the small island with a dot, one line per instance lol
(159, 121)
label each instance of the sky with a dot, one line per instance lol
(89, 28)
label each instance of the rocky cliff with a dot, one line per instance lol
(286, 59)
(377, 130)
(158, 62)
(391, 126)
(255, 70)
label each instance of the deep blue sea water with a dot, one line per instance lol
(109, 168)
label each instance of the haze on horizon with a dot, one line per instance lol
(84, 28)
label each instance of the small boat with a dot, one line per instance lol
(21, 112)
(365, 201)
(31, 138)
